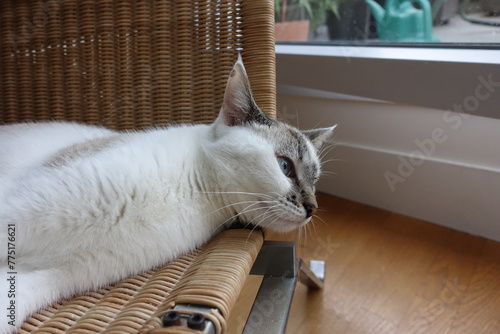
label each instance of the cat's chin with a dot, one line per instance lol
(287, 226)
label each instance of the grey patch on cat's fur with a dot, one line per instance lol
(257, 116)
(79, 150)
(301, 147)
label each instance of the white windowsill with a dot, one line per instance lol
(449, 55)
(439, 78)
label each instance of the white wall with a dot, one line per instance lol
(435, 165)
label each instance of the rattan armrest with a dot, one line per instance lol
(212, 276)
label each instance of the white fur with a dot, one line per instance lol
(124, 205)
(135, 205)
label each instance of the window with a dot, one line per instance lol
(374, 22)
(437, 68)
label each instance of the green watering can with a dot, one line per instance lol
(400, 21)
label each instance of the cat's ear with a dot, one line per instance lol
(239, 106)
(318, 137)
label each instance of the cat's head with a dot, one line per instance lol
(266, 169)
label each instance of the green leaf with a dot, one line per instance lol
(307, 6)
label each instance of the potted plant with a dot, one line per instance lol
(292, 20)
(347, 19)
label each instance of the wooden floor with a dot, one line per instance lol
(387, 273)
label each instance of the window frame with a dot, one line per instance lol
(437, 77)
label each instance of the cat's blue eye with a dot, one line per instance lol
(286, 166)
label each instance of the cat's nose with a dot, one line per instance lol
(311, 209)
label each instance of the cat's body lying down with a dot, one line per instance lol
(91, 206)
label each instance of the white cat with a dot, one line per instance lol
(83, 206)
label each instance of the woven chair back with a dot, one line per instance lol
(130, 64)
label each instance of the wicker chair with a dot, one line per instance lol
(128, 65)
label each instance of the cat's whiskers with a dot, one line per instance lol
(270, 212)
(235, 204)
(328, 173)
(319, 218)
(252, 203)
(299, 234)
(260, 208)
(284, 218)
(313, 227)
(238, 193)
(264, 216)
(304, 231)
(274, 220)
(269, 209)
(244, 211)
(329, 160)
(326, 150)
(233, 217)
(310, 227)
